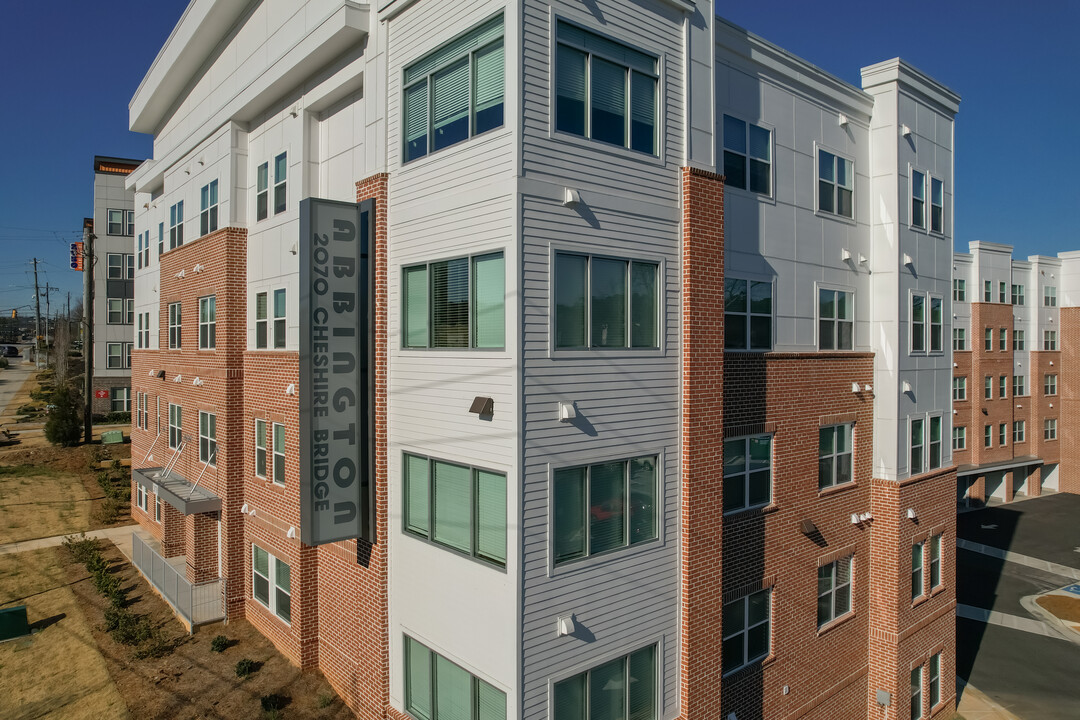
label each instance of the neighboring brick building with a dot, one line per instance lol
(660, 379)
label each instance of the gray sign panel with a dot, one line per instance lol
(337, 369)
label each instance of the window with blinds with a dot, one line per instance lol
(457, 303)
(456, 506)
(605, 90)
(455, 92)
(622, 689)
(604, 507)
(606, 303)
(436, 689)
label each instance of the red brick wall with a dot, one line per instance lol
(966, 409)
(702, 446)
(792, 395)
(1069, 389)
(995, 364)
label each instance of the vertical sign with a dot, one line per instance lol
(76, 259)
(337, 371)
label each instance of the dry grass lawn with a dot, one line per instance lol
(58, 672)
(36, 501)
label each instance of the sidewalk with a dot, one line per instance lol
(113, 534)
(974, 705)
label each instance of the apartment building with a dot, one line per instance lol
(113, 268)
(1014, 338)
(489, 369)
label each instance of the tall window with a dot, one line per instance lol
(935, 324)
(1019, 430)
(622, 688)
(262, 326)
(747, 472)
(917, 569)
(115, 269)
(988, 291)
(139, 250)
(935, 680)
(916, 693)
(1002, 298)
(1003, 339)
(1049, 340)
(208, 323)
(604, 507)
(988, 339)
(937, 206)
(160, 239)
(747, 314)
(455, 92)
(959, 389)
(279, 318)
(261, 322)
(934, 448)
(456, 303)
(208, 216)
(1003, 384)
(836, 323)
(146, 330)
(745, 630)
(260, 448)
(114, 356)
(988, 387)
(262, 191)
(606, 303)
(959, 290)
(1050, 429)
(935, 562)
(115, 314)
(1049, 296)
(115, 222)
(1018, 340)
(281, 168)
(918, 323)
(1017, 294)
(918, 199)
(959, 339)
(1050, 384)
(988, 436)
(918, 445)
(836, 184)
(834, 456)
(456, 506)
(271, 583)
(208, 438)
(279, 453)
(140, 496)
(747, 156)
(605, 90)
(437, 688)
(120, 399)
(1019, 385)
(834, 590)
(1002, 434)
(174, 326)
(129, 226)
(959, 438)
(176, 225)
(175, 426)
(129, 311)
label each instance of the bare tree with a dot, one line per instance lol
(61, 345)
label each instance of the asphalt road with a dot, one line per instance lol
(12, 379)
(1035, 677)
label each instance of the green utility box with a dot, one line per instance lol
(112, 437)
(13, 623)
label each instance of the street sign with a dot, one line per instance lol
(76, 259)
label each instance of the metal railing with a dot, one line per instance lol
(196, 603)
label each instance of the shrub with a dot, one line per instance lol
(131, 629)
(3, 363)
(114, 418)
(325, 700)
(219, 643)
(95, 563)
(106, 583)
(80, 547)
(246, 667)
(64, 425)
(114, 616)
(273, 702)
(155, 646)
(108, 512)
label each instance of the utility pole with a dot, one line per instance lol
(88, 335)
(37, 320)
(47, 311)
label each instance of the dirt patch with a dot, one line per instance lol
(192, 681)
(1063, 607)
(57, 672)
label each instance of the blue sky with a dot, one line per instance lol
(71, 68)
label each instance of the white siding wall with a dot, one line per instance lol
(109, 193)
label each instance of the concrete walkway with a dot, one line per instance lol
(976, 706)
(112, 534)
(1025, 560)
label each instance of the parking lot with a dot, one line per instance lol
(1012, 656)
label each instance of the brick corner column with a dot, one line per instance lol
(702, 443)
(1069, 412)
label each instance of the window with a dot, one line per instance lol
(988, 388)
(959, 389)
(836, 185)
(129, 227)
(1018, 340)
(115, 222)
(174, 326)
(456, 506)
(115, 314)
(1050, 385)
(988, 436)
(456, 303)
(935, 324)
(1017, 294)
(120, 399)
(281, 168)
(603, 507)
(959, 339)
(261, 323)
(176, 225)
(935, 679)
(937, 205)
(279, 453)
(916, 693)
(1001, 293)
(260, 448)
(1050, 429)
(208, 216)
(157, 508)
(140, 496)
(1019, 428)
(605, 303)
(834, 590)
(208, 438)
(128, 347)
(1049, 296)
(1019, 385)
(1049, 340)
(605, 90)
(1003, 339)
(935, 562)
(959, 290)
(139, 255)
(462, 84)
(114, 356)
(269, 572)
(959, 438)
(917, 570)
(437, 688)
(621, 688)
(129, 311)
(745, 630)
(1002, 434)
(988, 291)
(208, 323)
(918, 445)
(129, 265)
(988, 339)
(747, 472)
(747, 156)
(935, 442)
(279, 318)
(918, 199)
(160, 239)
(836, 325)
(146, 249)
(262, 191)
(1003, 384)
(139, 333)
(175, 426)
(115, 263)
(146, 330)
(834, 456)
(747, 314)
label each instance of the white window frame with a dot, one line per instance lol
(988, 436)
(934, 681)
(176, 225)
(129, 223)
(959, 339)
(988, 339)
(280, 183)
(1019, 431)
(140, 497)
(918, 573)
(114, 356)
(208, 438)
(924, 209)
(927, 330)
(934, 204)
(121, 395)
(1050, 429)
(959, 388)
(744, 631)
(1003, 434)
(746, 157)
(1049, 296)
(157, 509)
(272, 580)
(175, 325)
(261, 448)
(1003, 387)
(921, 447)
(114, 311)
(1019, 385)
(959, 290)
(1050, 342)
(835, 457)
(988, 291)
(262, 323)
(129, 311)
(271, 328)
(1003, 295)
(176, 431)
(1019, 341)
(959, 438)
(1018, 294)
(262, 191)
(1050, 384)
(280, 326)
(1003, 339)
(114, 266)
(208, 328)
(114, 222)
(988, 387)
(834, 184)
(836, 321)
(916, 693)
(275, 457)
(208, 208)
(836, 590)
